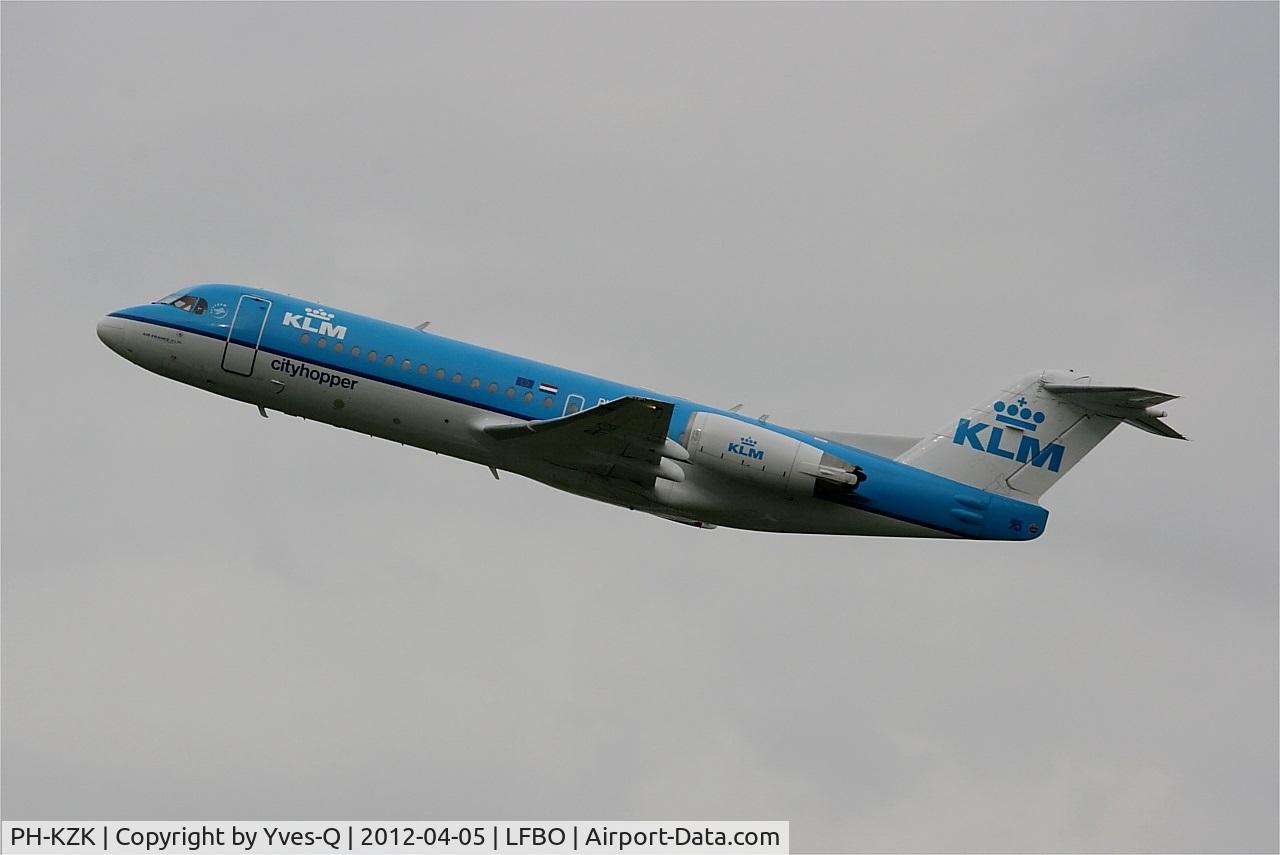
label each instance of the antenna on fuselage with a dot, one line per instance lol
(422, 326)
(735, 408)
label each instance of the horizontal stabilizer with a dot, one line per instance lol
(1121, 402)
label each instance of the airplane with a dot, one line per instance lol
(979, 477)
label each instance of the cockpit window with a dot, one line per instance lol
(185, 302)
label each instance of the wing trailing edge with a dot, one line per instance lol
(625, 438)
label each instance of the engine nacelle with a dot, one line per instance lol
(753, 453)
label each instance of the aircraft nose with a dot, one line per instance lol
(112, 332)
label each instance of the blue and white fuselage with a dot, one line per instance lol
(610, 441)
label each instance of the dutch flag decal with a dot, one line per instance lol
(548, 388)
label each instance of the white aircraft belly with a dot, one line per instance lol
(449, 427)
(367, 406)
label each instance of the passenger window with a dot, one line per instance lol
(511, 391)
(422, 369)
(493, 387)
(547, 402)
(373, 356)
(355, 350)
(456, 378)
(321, 343)
(527, 397)
(337, 347)
(389, 360)
(475, 382)
(304, 338)
(439, 373)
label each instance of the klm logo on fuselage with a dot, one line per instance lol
(746, 447)
(316, 321)
(1028, 448)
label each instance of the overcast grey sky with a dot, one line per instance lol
(858, 217)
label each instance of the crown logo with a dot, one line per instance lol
(1018, 414)
(319, 314)
(746, 440)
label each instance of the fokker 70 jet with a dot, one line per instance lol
(979, 476)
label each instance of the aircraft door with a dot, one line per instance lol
(245, 334)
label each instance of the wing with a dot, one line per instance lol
(625, 438)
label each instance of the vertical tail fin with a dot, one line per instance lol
(1021, 442)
